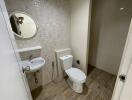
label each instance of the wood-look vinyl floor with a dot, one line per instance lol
(99, 86)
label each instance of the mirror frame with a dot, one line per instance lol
(17, 36)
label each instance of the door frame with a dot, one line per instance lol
(13, 42)
(124, 65)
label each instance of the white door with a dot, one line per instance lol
(123, 89)
(12, 85)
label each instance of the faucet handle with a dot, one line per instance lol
(27, 68)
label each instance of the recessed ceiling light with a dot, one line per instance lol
(122, 8)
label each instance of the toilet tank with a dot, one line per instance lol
(66, 61)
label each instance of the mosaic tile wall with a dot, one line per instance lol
(53, 20)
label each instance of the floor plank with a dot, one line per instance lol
(99, 86)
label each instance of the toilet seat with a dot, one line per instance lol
(76, 75)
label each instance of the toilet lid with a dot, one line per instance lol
(76, 74)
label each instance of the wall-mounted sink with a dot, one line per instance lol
(33, 65)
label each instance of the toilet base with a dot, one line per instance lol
(77, 87)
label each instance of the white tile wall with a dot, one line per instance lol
(53, 19)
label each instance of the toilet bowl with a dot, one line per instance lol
(76, 76)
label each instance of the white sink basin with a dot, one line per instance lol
(33, 65)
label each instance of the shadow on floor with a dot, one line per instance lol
(36, 92)
(90, 69)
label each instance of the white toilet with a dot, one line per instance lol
(76, 76)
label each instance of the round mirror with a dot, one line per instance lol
(23, 25)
